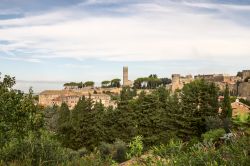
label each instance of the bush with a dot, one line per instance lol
(213, 122)
(172, 148)
(82, 152)
(236, 152)
(135, 147)
(105, 150)
(120, 151)
(92, 159)
(242, 118)
(34, 151)
(203, 153)
(116, 151)
(213, 135)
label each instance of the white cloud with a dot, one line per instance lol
(32, 60)
(75, 66)
(155, 32)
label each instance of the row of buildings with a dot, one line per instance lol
(72, 94)
(71, 98)
(239, 85)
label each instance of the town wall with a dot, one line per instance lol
(244, 90)
(245, 75)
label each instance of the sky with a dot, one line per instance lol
(50, 42)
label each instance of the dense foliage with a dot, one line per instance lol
(151, 82)
(161, 128)
(80, 84)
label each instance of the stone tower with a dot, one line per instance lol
(176, 83)
(125, 76)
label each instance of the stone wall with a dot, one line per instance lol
(179, 81)
(245, 74)
(244, 90)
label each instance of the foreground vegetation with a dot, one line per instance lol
(160, 128)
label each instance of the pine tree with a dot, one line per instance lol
(64, 115)
(86, 119)
(199, 99)
(150, 118)
(126, 96)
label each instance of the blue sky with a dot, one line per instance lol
(80, 40)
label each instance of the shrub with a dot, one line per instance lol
(213, 122)
(242, 118)
(105, 150)
(135, 147)
(213, 135)
(82, 152)
(116, 151)
(172, 148)
(236, 152)
(33, 151)
(233, 98)
(120, 151)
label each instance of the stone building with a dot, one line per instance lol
(245, 75)
(218, 78)
(243, 86)
(71, 98)
(179, 81)
(238, 85)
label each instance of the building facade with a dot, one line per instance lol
(179, 81)
(71, 98)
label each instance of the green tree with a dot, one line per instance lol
(85, 129)
(150, 118)
(89, 84)
(19, 115)
(226, 105)
(199, 99)
(116, 83)
(106, 83)
(165, 81)
(64, 115)
(126, 97)
(138, 83)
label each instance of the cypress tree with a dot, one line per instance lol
(226, 113)
(226, 104)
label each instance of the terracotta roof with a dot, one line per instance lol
(239, 108)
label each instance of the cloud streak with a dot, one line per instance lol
(145, 31)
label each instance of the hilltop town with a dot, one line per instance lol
(239, 85)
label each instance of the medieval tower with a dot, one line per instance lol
(125, 76)
(176, 83)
